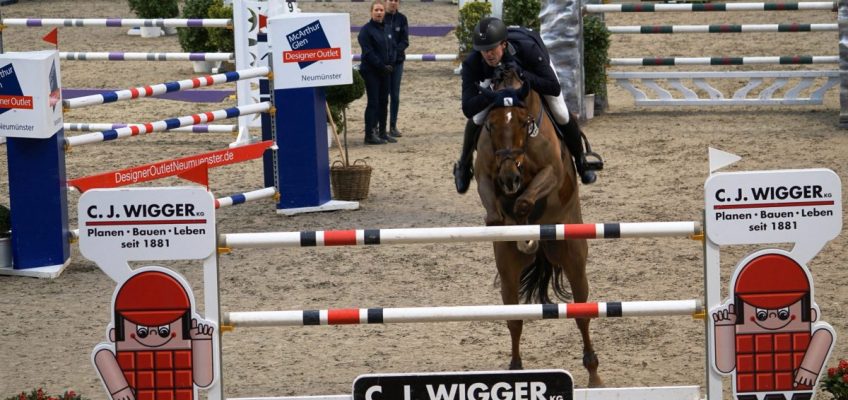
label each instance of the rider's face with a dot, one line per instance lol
(494, 55)
(377, 12)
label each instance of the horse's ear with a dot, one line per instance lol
(525, 90)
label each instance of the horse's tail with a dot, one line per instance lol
(536, 278)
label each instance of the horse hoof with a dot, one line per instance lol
(596, 382)
(528, 246)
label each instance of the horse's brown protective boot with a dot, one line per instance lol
(462, 171)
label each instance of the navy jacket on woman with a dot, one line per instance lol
(378, 57)
(524, 48)
(398, 27)
(377, 49)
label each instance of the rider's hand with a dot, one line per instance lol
(511, 64)
(388, 69)
(490, 94)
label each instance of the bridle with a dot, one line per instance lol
(517, 155)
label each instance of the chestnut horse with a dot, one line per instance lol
(525, 176)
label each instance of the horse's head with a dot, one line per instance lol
(510, 124)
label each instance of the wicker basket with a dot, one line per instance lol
(350, 182)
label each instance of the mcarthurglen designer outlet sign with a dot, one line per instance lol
(310, 50)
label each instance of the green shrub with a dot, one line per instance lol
(155, 8)
(339, 98)
(196, 40)
(470, 14)
(5, 221)
(523, 13)
(596, 42)
(221, 38)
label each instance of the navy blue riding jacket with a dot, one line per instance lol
(398, 28)
(525, 48)
(377, 49)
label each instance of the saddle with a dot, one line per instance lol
(593, 161)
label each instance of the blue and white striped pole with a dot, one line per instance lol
(99, 127)
(166, 124)
(162, 88)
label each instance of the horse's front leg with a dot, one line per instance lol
(486, 190)
(542, 185)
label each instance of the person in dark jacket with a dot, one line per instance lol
(398, 28)
(378, 57)
(523, 50)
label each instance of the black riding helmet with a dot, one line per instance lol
(489, 33)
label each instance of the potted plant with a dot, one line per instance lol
(349, 181)
(596, 42)
(196, 40)
(469, 15)
(221, 38)
(523, 13)
(5, 237)
(151, 9)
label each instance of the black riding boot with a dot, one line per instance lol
(574, 141)
(462, 171)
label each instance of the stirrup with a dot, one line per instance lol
(591, 161)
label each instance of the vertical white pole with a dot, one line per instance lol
(712, 298)
(212, 312)
(246, 57)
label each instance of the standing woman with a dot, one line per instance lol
(378, 56)
(398, 27)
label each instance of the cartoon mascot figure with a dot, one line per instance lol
(767, 333)
(159, 348)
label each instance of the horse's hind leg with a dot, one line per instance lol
(575, 271)
(509, 269)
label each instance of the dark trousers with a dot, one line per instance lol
(377, 91)
(394, 94)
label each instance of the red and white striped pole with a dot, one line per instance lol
(360, 237)
(162, 88)
(164, 125)
(348, 316)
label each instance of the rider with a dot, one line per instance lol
(523, 50)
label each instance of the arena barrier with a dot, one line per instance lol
(724, 28)
(362, 237)
(167, 87)
(694, 88)
(164, 125)
(420, 57)
(243, 24)
(241, 198)
(129, 56)
(298, 169)
(120, 22)
(362, 316)
(97, 127)
(358, 316)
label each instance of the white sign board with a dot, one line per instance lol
(783, 206)
(30, 94)
(119, 225)
(310, 50)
